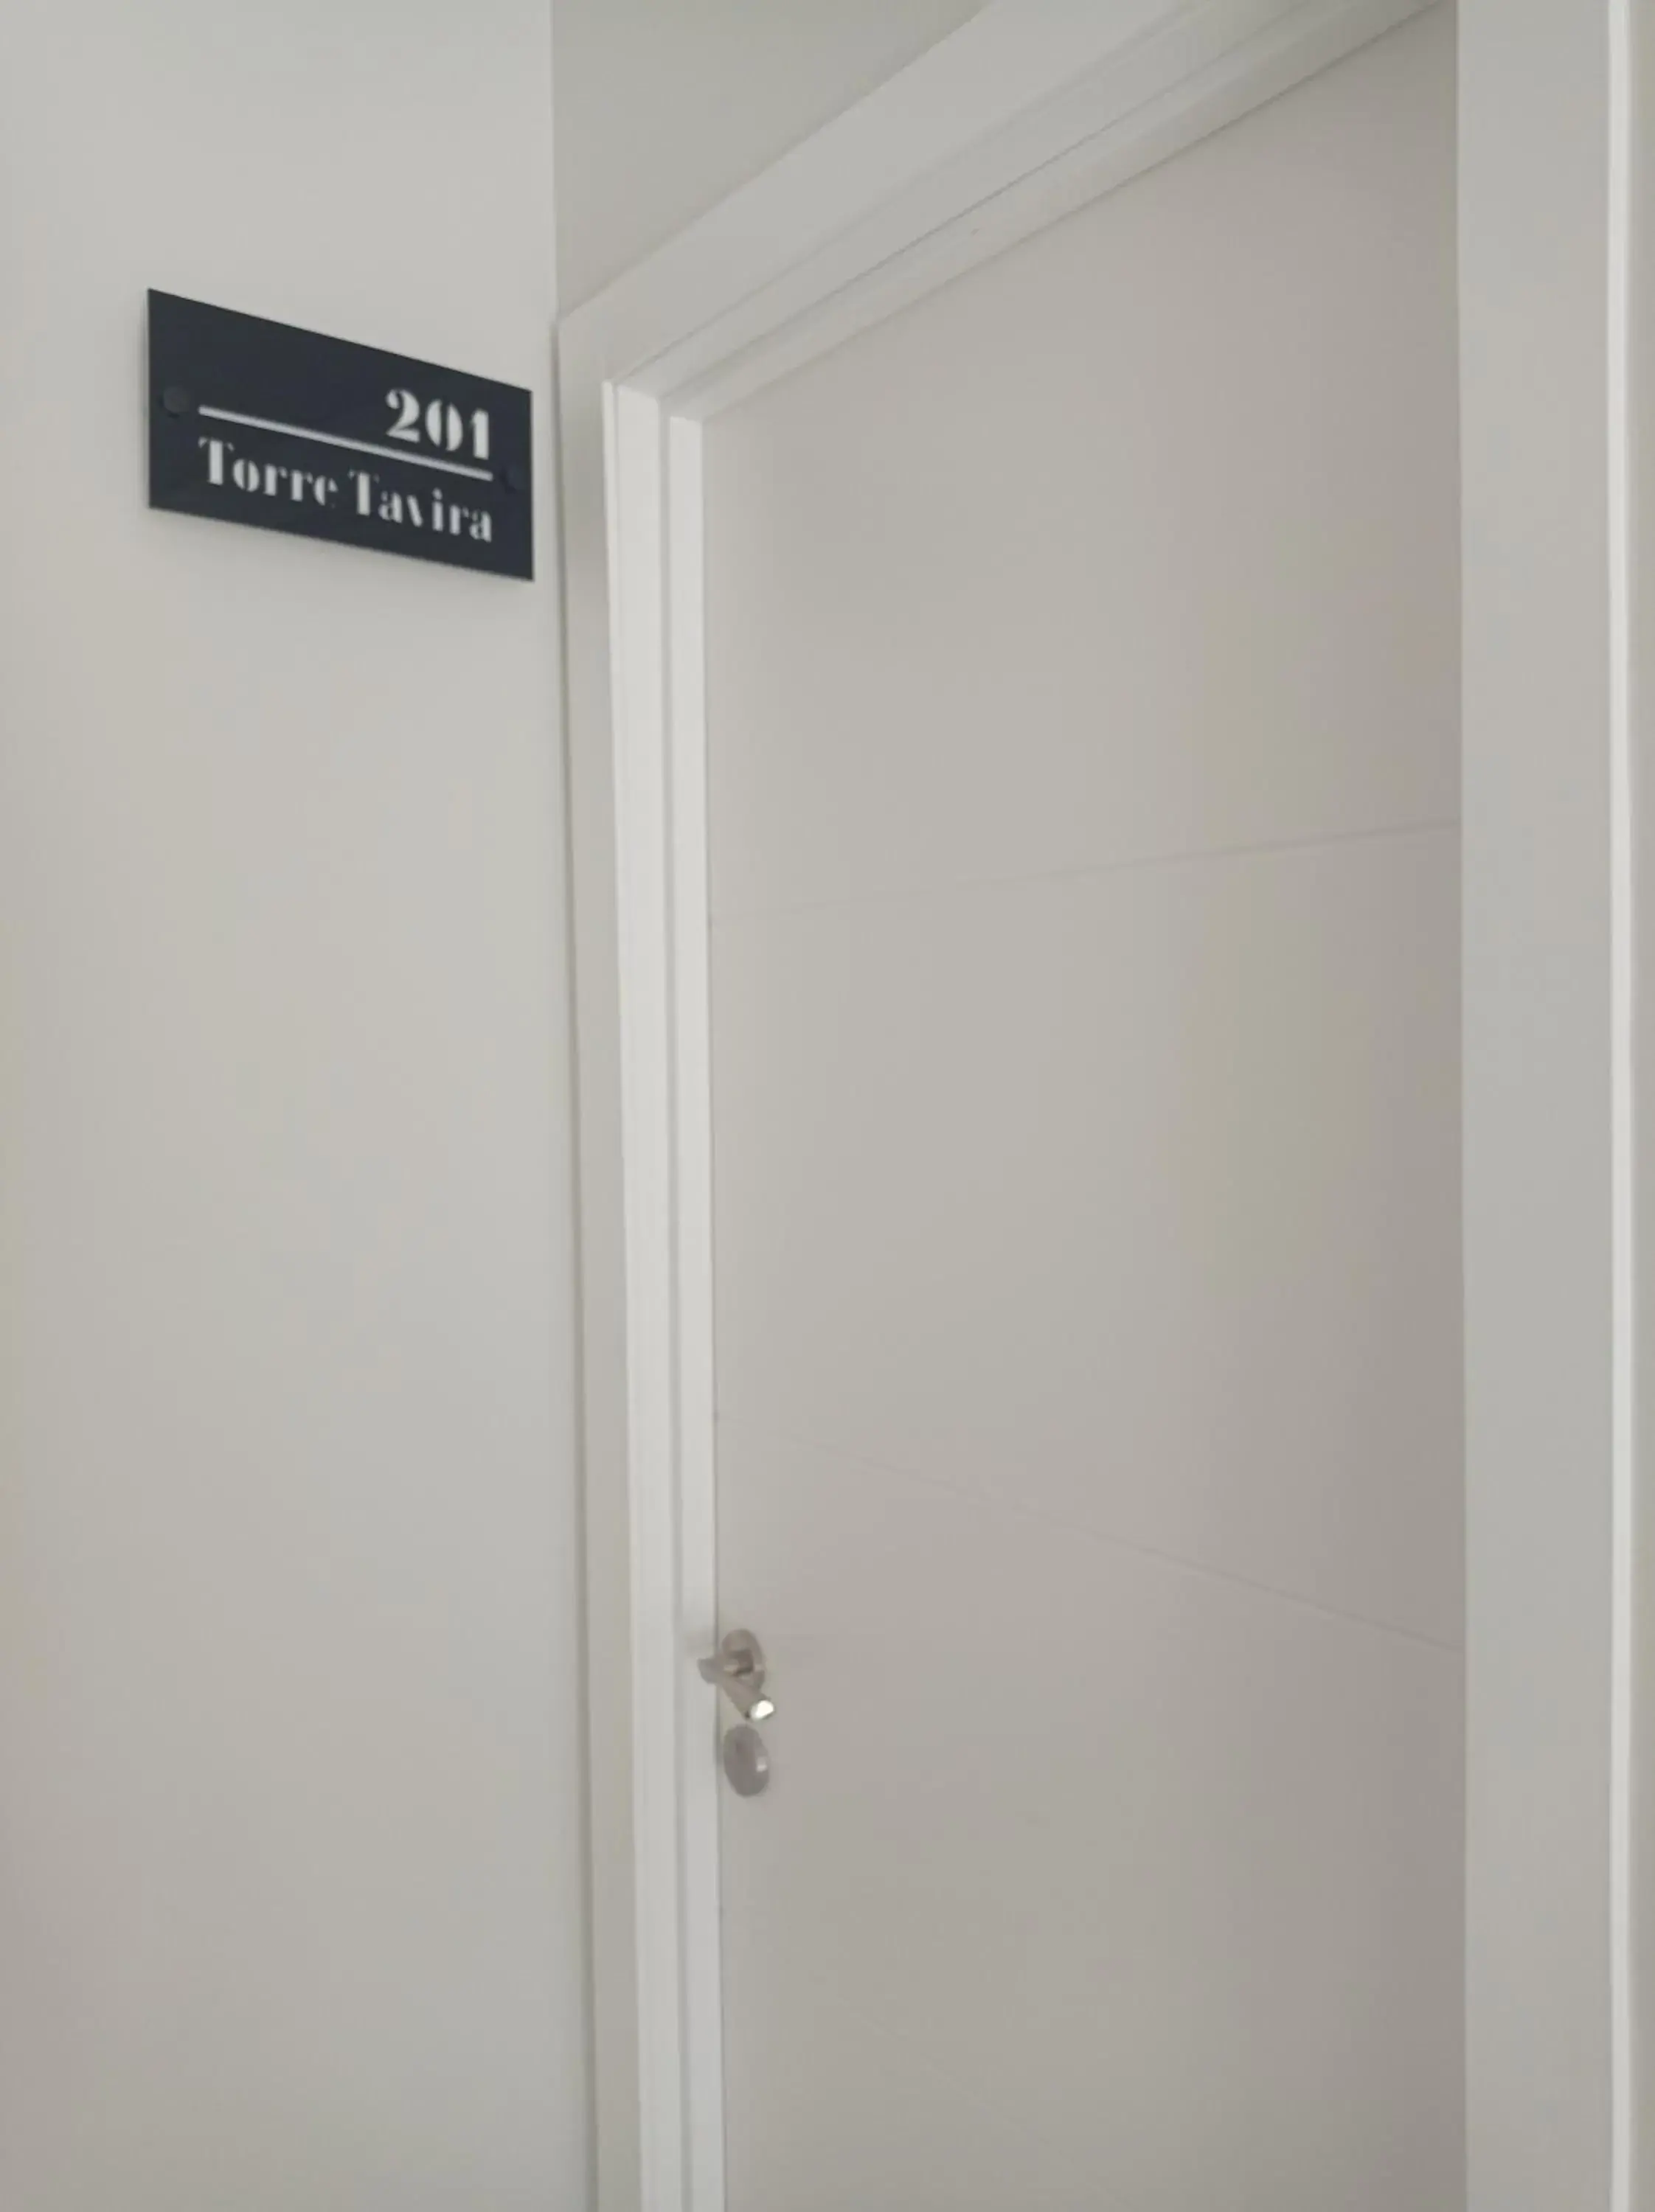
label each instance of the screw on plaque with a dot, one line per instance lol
(176, 400)
(516, 476)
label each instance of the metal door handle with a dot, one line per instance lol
(737, 1667)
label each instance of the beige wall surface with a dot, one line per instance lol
(666, 106)
(289, 1838)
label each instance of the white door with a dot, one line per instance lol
(1082, 744)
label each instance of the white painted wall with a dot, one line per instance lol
(290, 1833)
(663, 107)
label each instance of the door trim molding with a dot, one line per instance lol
(1031, 109)
(1551, 122)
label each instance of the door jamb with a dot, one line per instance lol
(1032, 108)
(1550, 122)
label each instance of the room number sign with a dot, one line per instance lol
(256, 422)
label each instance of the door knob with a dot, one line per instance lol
(737, 1667)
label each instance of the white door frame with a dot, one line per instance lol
(1030, 109)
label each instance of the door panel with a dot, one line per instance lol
(1148, 1868)
(1128, 1197)
(1082, 766)
(1143, 539)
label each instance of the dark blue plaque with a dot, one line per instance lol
(256, 422)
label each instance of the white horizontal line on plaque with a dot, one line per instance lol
(350, 444)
